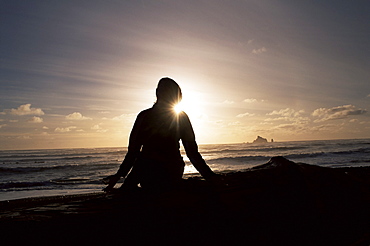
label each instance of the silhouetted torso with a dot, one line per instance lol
(154, 149)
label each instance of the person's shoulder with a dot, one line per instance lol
(143, 114)
(182, 114)
(145, 111)
(183, 117)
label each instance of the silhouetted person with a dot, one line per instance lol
(153, 154)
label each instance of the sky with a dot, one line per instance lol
(74, 74)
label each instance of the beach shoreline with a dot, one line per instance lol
(362, 172)
(279, 202)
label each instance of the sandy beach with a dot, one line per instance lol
(278, 203)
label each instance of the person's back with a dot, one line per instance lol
(160, 163)
(154, 150)
(161, 133)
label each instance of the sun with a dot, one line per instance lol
(178, 108)
(192, 105)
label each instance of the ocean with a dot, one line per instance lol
(49, 172)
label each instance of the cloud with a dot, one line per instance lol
(2, 125)
(279, 118)
(228, 102)
(235, 123)
(245, 114)
(259, 51)
(295, 127)
(124, 117)
(98, 128)
(36, 119)
(250, 100)
(66, 129)
(288, 112)
(77, 116)
(45, 127)
(24, 137)
(326, 128)
(335, 113)
(26, 109)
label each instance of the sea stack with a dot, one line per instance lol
(260, 140)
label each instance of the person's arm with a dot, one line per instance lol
(134, 148)
(191, 148)
(131, 155)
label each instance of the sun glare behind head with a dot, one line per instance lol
(178, 108)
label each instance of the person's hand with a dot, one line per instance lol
(111, 181)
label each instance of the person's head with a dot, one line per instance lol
(168, 92)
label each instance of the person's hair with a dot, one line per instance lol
(168, 91)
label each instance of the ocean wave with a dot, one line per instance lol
(60, 155)
(238, 159)
(49, 159)
(33, 169)
(360, 161)
(355, 151)
(305, 155)
(68, 181)
(253, 158)
(10, 185)
(256, 149)
(59, 168)
(71, 182)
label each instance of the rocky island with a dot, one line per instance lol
(260, 140)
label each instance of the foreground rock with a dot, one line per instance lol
(278, 203)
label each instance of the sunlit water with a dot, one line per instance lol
(29, 173)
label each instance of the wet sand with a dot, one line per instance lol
(278, 203)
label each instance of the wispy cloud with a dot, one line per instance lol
(235, 123)
(293, 127)
(36, 119)
(244, 115)
(254, 100)
(250, 100)
(64, 129)
(287, 112)
(77, 116)
(228, 102)
(24, 137)
(98, 128)
(25, 109)
(335, 113)
(124, 117)
(259, 51)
